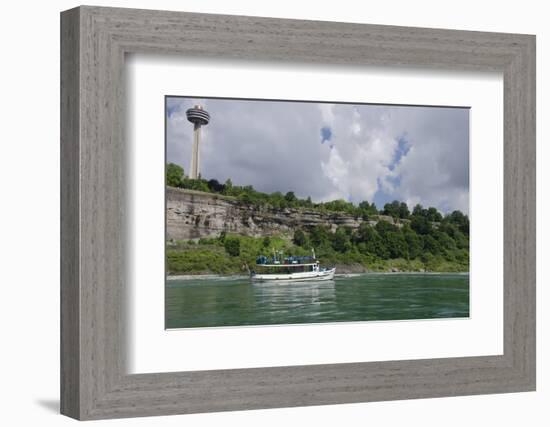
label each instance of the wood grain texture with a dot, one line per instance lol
(70, 291)
(94, 273)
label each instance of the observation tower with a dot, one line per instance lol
(199, 117)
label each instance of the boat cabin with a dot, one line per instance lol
(289, 265)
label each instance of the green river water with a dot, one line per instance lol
(372, 296)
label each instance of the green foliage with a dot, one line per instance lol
(414, 243)
(421, 225)
(444, 240)
(174, 175)
(320, 236)
(291, 198)
(339, 206)
(232, 246)
(431, 214)
(367, 208)
(400, 250)
(462, 256)
(214, 186)
(208, 241)
(199, 259)
(396, 209)
(245, 198)
(195, 184)
(370, 242)
(299, 238)
(396, 245)
(417, 210)
(384, 227)
(423, 239)
(341, 241)
(228, 187)
(460, 220)
(365, 233)
(431, 245)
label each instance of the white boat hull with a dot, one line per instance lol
(309, 276)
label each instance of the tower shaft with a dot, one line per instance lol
(195, 156)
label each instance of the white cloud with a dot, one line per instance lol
(276, 146)
(364, 146)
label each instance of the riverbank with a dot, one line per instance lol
(233, 255)
(342, 270)
(201, 264)
(220, 267)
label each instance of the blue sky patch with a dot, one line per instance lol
(326, 134)
(171, 108)
(403, 147)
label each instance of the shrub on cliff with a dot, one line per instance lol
(341, 240)
(232, 246)
(200, 260)
(299, 238)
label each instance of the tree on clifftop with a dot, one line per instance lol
(460, 220)
(396, 209)
(290, 197)
(174, 175)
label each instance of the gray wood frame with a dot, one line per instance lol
(94, 382)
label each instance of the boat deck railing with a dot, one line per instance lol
(292, 260)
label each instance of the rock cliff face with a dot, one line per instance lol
(194, 214)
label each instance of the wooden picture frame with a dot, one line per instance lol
(94, 382)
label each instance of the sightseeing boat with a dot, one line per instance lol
(290, 269)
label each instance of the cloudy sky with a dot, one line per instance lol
(329, 151)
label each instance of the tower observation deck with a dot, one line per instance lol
(199, 117)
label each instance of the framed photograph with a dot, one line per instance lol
(262, 213)
(293, 247)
